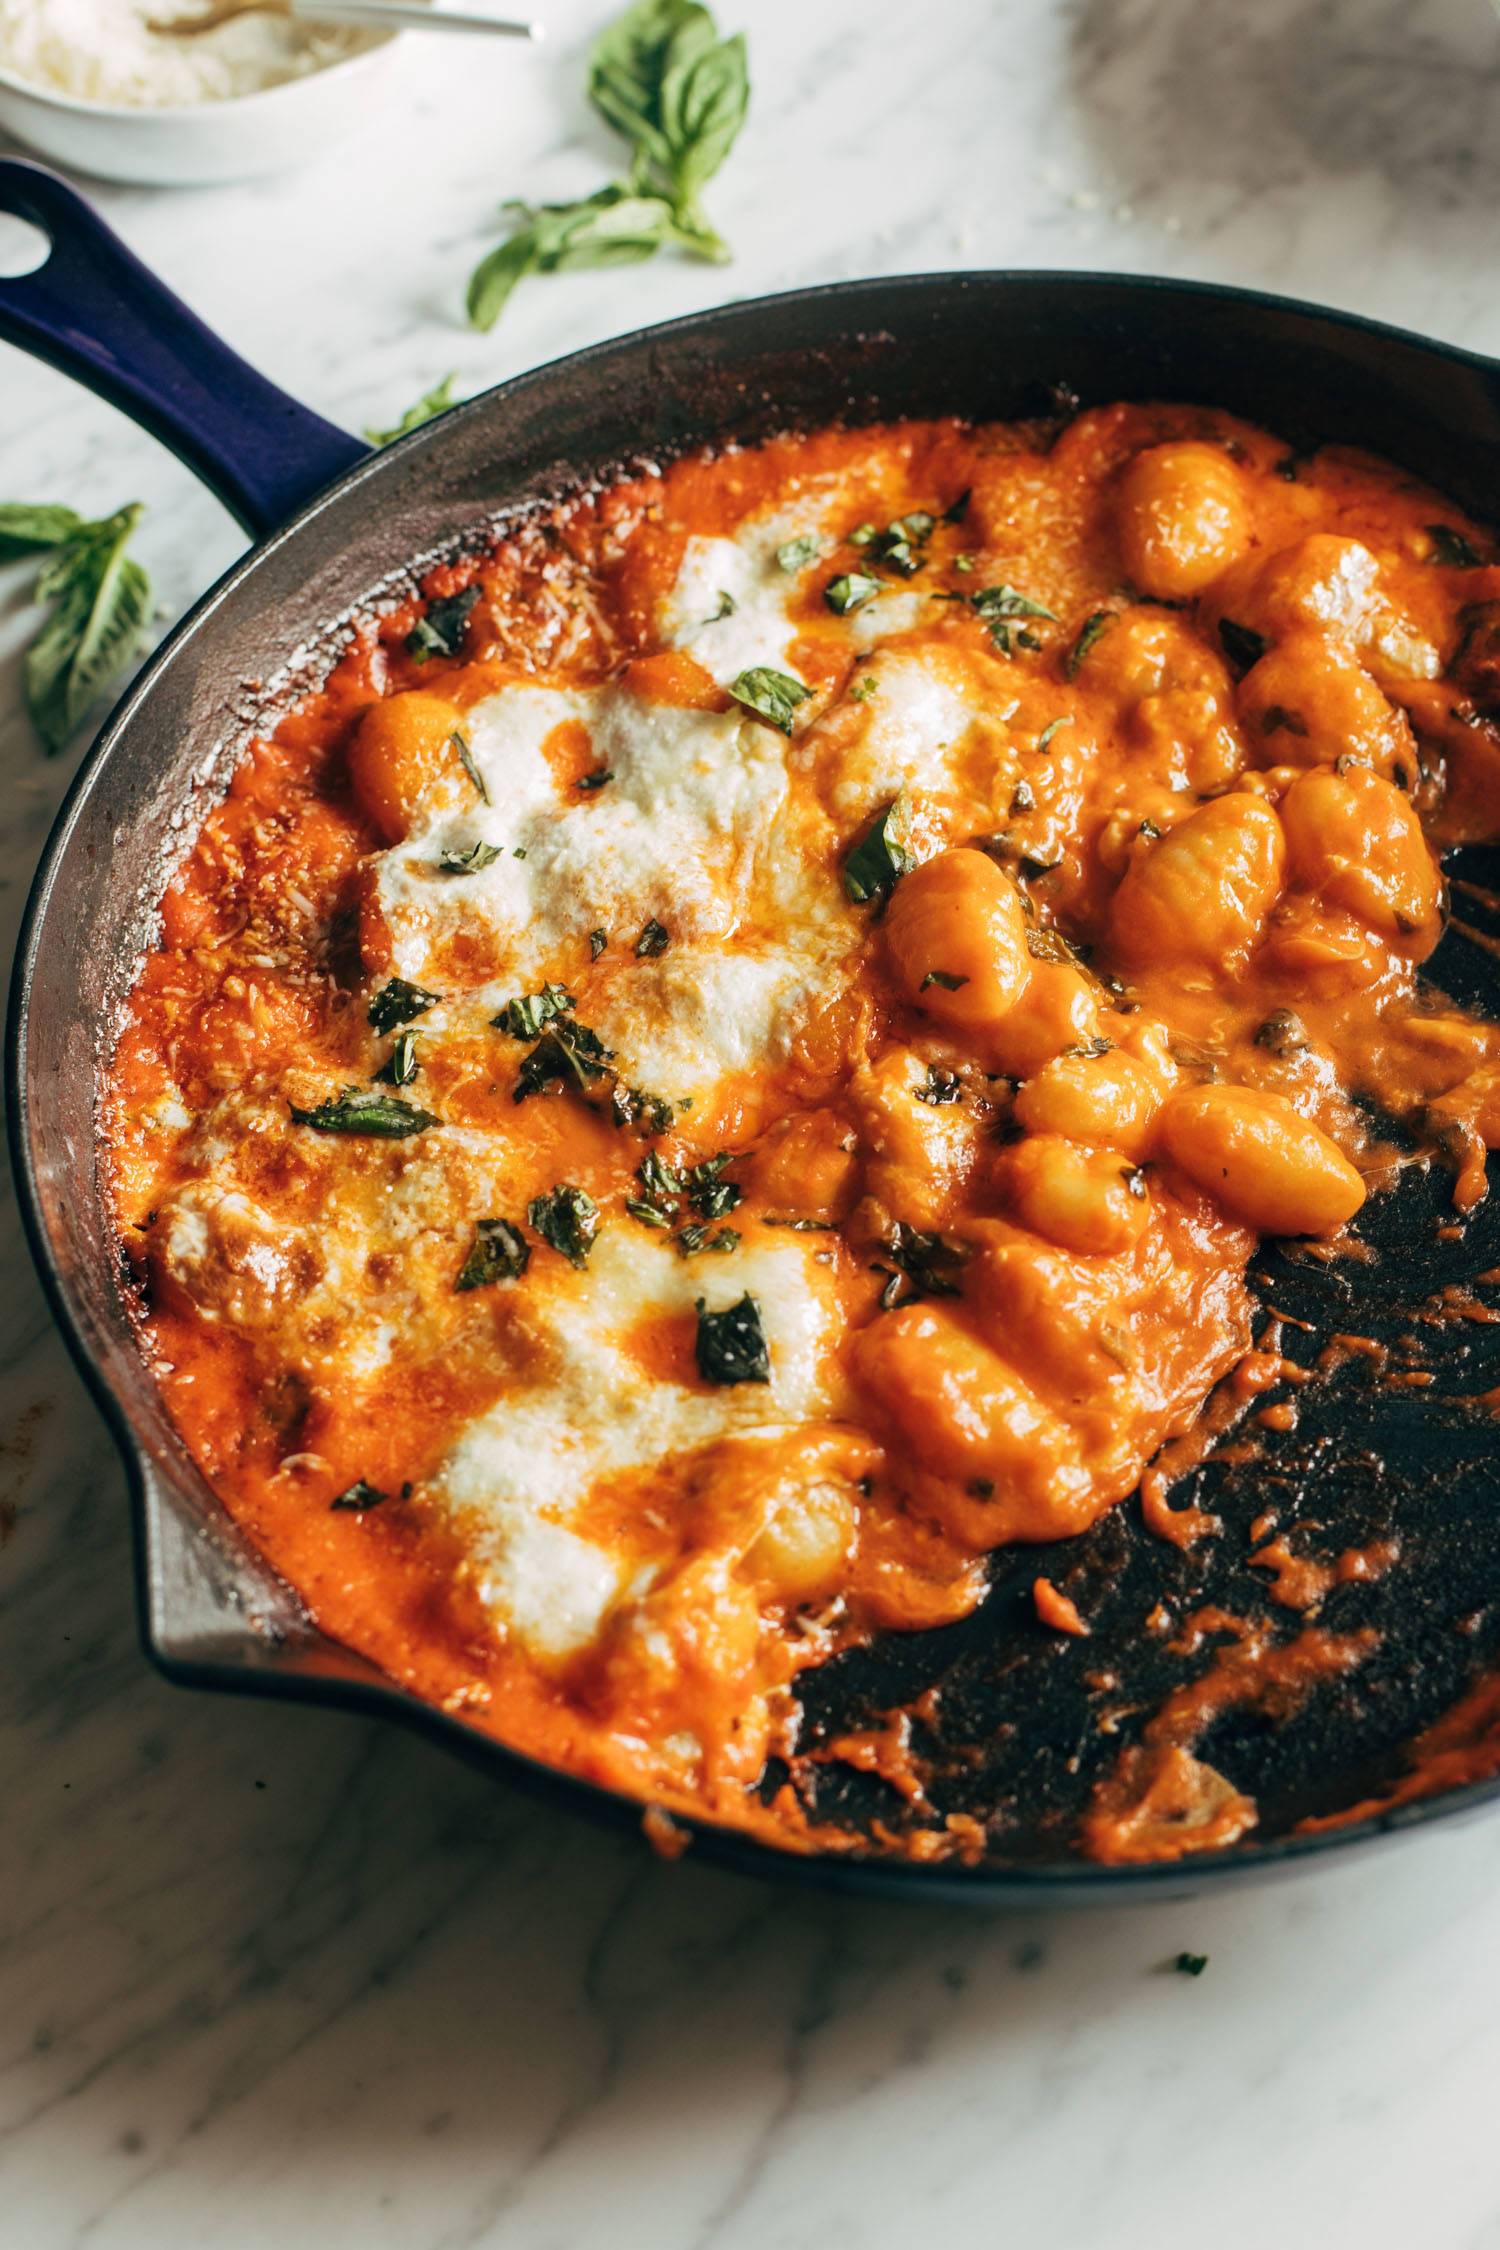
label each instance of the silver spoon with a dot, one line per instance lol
(370, 15)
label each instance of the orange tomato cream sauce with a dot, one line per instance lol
(732, 1058)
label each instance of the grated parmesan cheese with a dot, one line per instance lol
(101, 51)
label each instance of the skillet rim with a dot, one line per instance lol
(879, 301)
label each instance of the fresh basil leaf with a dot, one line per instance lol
(851, 590)
(731, 1345)
(881, 856)
(1100, 622)
(1242, 645)
(1448, 546)
(652, 940)
(358, 1111)
(398, 1002)
(567, 1221)
(629, 62)
(499, 1252)
(528, 1016)
(427, 409)
(359, 1496)
(495, 276)
(772, 696)
(472, 862)
(401, 1066)
(102, 606)
(27, 528)
(440, 632)
(795, 554)
(705, 94)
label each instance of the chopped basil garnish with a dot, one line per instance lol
(477, 857)
(772, 696)
(796, 554)
(849, 591)
(598, 779)
(731, 1346)
(960, 507)
(460, 742)
(881, 857)
(940, 1086)
(652, 940)
(801, 1226)
(1451, 547)
(357, 1111)
(397, 1002)
(499, 1252)
(567, 1221)
(926, 1265)
(864, 687)
(1190, 1964)
(569, 1050)
(360, 1496)
(901, 546)
(1000, 607)
(695, 1240)
(1044, 739)
(1093, 627)
(1242, 645)
(644, 1113)
(708, 1192)
(944, 977)
(529, 1016)
(727, 607)
(401, 1065)
(598, 940)
(441, 631)
(1277, 719)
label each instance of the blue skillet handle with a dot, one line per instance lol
(94, 311)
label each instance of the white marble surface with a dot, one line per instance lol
(282, 1977)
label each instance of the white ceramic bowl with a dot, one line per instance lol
(195, 144)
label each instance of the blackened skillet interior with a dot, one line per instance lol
(1017, 1733)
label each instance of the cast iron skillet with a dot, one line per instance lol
(1016, 1738)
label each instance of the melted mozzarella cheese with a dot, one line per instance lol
(518, 1475)
(675, 833)
(915, 727)
(730, 605)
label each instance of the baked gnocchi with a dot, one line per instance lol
(734, 1055)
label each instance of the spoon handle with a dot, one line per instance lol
(408, 15)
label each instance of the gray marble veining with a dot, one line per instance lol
(273, 1976)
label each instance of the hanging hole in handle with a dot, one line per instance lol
(24, 248)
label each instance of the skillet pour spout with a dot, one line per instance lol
(337, 530)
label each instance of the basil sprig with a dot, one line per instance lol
(427, 409)
(101, 604)
(661, 76)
